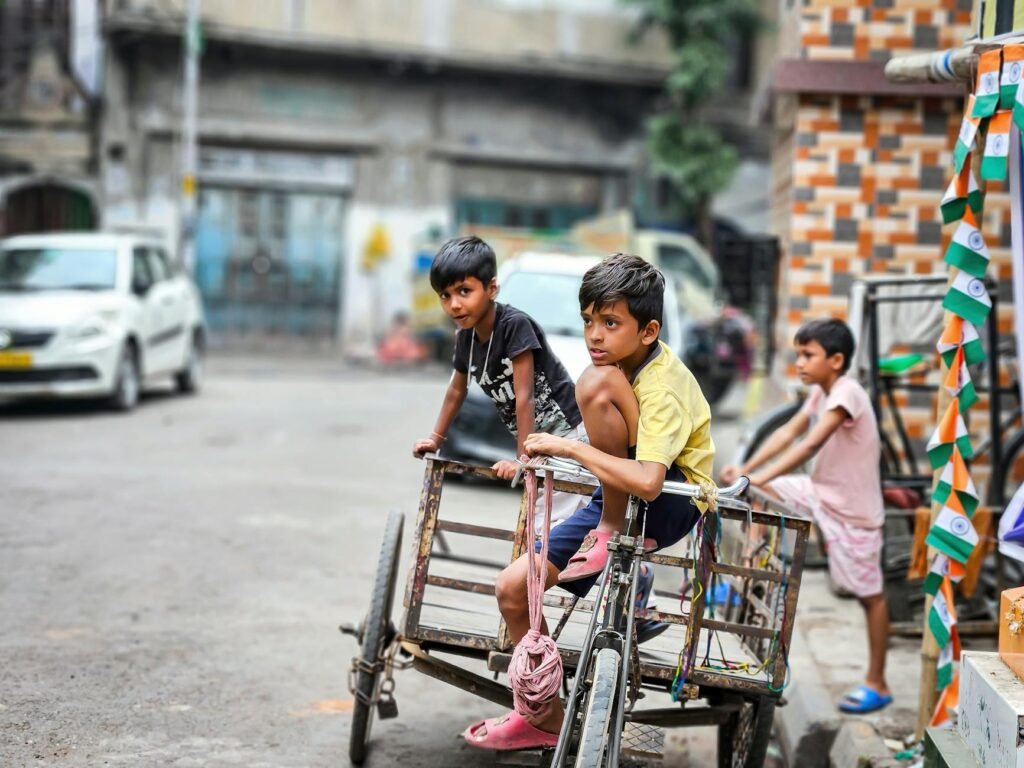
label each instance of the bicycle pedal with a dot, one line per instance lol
(387, 708)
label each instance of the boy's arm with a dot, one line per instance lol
(800, 452)
(777, 442)
(453, 398)
(640, 478)
(522, 383)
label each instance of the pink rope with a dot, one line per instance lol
(535, 670)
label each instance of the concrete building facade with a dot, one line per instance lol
(333, 131)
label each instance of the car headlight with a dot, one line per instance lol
(99, 325)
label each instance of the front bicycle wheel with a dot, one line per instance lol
(600, 708)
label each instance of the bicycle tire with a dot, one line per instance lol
(597, 719)
(375, 636)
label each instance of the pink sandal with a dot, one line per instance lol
(507, 733)
(592, 555)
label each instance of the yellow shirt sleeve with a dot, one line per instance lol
(663, 429)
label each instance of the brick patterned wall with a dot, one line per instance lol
(858, 179)
(864, 30)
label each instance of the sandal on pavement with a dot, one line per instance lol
(862, 699)
(592, 555)
(508, 732)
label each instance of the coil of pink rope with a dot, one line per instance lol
(535, 671)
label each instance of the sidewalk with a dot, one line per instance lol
(827, 657)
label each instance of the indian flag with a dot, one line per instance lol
(958, 381)
(951, 432)
(942, 616)
(1018, 106)
(997, 147)
(961, 194)
(953, 535)
(948, 654)
(949, 701)
(967, 250)
(987, 89)
(968, 298)
(960, 335)
(1009, 81)
(942, 567)
(956, 479)
(965, 139)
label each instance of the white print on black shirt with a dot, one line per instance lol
(548, 416)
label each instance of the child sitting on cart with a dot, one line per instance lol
(648, 422)
(507, 354)
(843, 493)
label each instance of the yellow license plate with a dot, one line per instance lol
(15, 360)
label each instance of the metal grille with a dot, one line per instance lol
(641, 740)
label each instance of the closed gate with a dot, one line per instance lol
(268, 262)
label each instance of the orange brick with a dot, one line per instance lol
(922, 267)
(963, 17)
(821, 126)
(908, 126)
(841, 265)
(906, 184)
(800, 207)
(847, 155)
(809, 40)
(871, 134)
(802, 153)
(929, 158)
(813, 289)
(885, 155)
(822, 181)
(844, 210)
(795, 315)
(840, 14)
(815, 235)
(903, 238)
(898, 41)
(922, 17)
(864, 242)
(797, 262)
(877, 265)
(878, 15)
(868, 186)
(861, 47)
(882, 211)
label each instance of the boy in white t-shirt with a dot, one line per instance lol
(843, 493)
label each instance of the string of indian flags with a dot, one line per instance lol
(996, 104)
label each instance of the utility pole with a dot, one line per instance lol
(191, 45)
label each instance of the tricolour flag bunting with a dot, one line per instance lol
(953, 535)
(965, 138)
(955, 478)
(941, 568)
(997, 147)
(942, 616)
(958, 381)
(961, 194)
(969, 298)
(947, 705)
(951, 432)
(987, 89)
(960, 335)
(967, 250)
(1010, 79)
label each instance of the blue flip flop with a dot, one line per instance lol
(861, 700)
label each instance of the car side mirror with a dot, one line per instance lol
(140, 288)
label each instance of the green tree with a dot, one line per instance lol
(689, 153)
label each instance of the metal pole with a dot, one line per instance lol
(191, 46)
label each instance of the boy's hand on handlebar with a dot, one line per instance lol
(541, 443)
(425, 446)
(506, 469)
(729, 474)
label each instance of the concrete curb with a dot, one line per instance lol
(809, 722)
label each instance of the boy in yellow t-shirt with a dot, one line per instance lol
(648, 422)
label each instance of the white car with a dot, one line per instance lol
(93, 314)
(545, 286)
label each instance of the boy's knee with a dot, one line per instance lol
(510, 590)
(600, 383)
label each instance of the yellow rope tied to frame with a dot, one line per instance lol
(709, 495)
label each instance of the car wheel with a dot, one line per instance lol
(128, 384)
(190, 377)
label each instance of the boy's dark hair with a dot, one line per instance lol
(463, 257)
(833, 335)
(627, 277)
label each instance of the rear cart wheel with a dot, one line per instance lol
(743, 740)
(377, 633)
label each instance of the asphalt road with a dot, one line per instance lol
(171, 581)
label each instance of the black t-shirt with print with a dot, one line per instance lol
(515, 332)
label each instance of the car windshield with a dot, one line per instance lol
(56, 269)
(549, 298)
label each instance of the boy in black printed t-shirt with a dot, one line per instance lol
(507, 354)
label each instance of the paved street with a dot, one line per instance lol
(172, 580)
